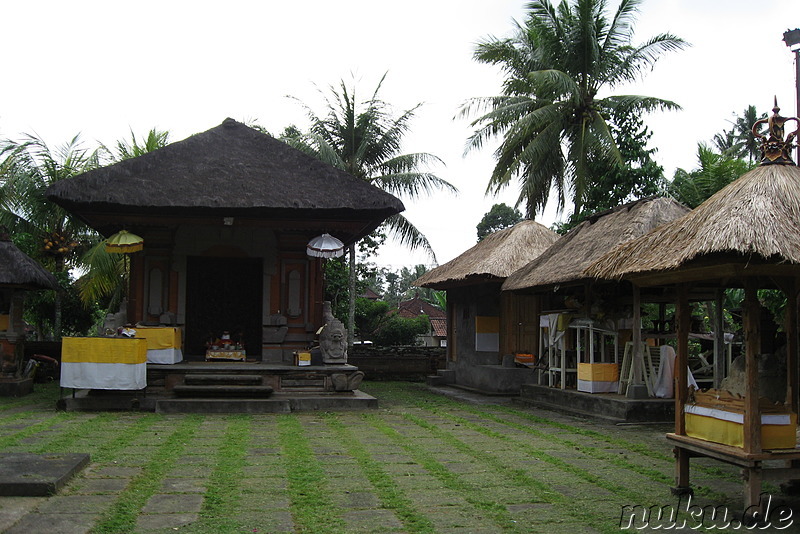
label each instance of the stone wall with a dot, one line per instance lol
(397, 363)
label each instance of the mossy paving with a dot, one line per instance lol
(422, 463)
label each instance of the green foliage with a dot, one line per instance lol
(715, 172)
(499, 217)
(398, 285)
(154, 140)
(377, 323)
(364, 138)
(337, 284)
(78, 319)
(638, 176)
(549, 117)
(739, 142)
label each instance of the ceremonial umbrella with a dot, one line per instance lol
(124, 242)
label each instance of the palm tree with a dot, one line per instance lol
(549, 115)
(715, 172)
(154, 140)
(365, 140)
(107, 274)
(29, 168)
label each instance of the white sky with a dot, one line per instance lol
(105, 68)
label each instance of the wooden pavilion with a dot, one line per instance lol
(225, 216)
(748, 236)
(482, 323)
(582, 304)
(18, 273)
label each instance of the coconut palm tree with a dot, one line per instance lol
(107, 274)
(715, 171)
(550, 117)
(365, 140)
(154, 140)
(30, 167)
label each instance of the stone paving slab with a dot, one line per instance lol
(162, 522)
(169, 504)
(54, 524)
(31, 475)
(13, 508)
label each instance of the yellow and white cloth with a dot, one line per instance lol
(163, 343)
(103, 363)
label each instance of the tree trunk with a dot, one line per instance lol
(60, 266)
(351, 311)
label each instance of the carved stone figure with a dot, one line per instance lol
(345, 382)
(332, 338)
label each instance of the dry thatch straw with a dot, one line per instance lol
(17, 269)
(494, 258)
(230, 170)
(755, 218)
(565, 261)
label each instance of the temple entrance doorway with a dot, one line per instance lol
(223, 294)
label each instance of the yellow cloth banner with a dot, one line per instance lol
(598, 372)
(487, 325)
(103, 350)
(160, 337)
(731, 433)
(4, 322)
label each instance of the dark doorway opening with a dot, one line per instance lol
(223, 294)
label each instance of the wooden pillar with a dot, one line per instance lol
(682, 317)
(790, 326)
(136, 287)
(752, 340)
(636, 387)
(719, 339)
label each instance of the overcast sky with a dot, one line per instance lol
(102, 69)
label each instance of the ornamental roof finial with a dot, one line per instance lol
(774, 149)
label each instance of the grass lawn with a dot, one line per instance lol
(423, 462)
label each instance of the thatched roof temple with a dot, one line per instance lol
(494, 258)
(565, 261)
(754, 220)
(18, 270)
(230, 170)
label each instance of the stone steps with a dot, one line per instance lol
(222, 390)
(220, 379)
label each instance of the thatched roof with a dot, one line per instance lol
(229, 170)
(17, 269)
(753, 220)
(566, 259)
(494, 258)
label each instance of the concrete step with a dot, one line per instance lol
(228, 379)
(222, 390)
(223, 406)
(279, 403)
(435, 380)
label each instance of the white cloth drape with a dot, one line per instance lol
(665, 383)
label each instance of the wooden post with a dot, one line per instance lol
(682, 315)
(636, 388)
(752, 340)
(790, 326)
(719, 339)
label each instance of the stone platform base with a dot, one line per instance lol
(15, 387)
(609, 406)
(37, 475)
(157, 401)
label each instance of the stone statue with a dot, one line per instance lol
(332, 338)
